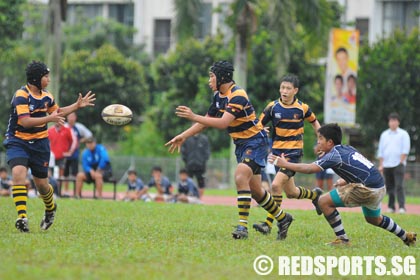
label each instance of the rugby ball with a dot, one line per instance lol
(117, 114)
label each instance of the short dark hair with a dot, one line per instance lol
(3, 169)
(394, 116)
(90, 140)
(132, 172)
(331, 131)
(183, 170)
(342, 49)
(157, 168)
(291, 78)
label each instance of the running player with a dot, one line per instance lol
(287, 116)
(27, 144)
(360, 184)
(232, 110)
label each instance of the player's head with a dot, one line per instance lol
(183, 174)
(291, 78)
(331, 131)
(34, 73)
(132, 174)
(223, 70)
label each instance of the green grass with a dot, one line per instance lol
(94, 239)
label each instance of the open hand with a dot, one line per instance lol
(86, 100)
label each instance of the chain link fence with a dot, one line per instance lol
(219, 172)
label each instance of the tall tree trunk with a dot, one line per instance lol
(54, 46)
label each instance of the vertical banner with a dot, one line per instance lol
(341, 79)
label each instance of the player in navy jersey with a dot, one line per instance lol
(287, 115)
(27, 144)
(360, 184)
(231, 109)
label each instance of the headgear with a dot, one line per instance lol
(223, 70)
(34, 73)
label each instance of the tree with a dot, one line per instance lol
(388, 82)
(113, 77)
(186, 18)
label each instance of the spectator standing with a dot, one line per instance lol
(96, 167)
(63, 143)
(394, 146)
(162, 184)
(195, 153)
(82, 133)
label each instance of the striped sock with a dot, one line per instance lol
(20, 197)
(48, 199)
(270, 218)
(268, 203)
(335, 222)
(391, 226)
(244, 205)
(306, 193)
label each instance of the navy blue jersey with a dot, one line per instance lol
(188, 187)
(137, 185)
(25, 104)
(352, 166)
(236, 102)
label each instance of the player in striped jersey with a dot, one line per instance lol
(360, 184)
(27, 144)
(231, 109)
(287, 115)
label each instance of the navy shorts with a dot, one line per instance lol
(255, 149)
(33, 154)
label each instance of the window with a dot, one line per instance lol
(77, 11)
(123, 13)
(205, 20)
(362, 24)
(162, 36)
(400, 14)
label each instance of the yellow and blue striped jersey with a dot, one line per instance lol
(236, 102)
(25, 104)
(288, 125)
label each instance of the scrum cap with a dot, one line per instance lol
(223, 70)
(35, 71)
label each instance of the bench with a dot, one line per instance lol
(73, 180)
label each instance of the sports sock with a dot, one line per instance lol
(335, 222)
(48, 199)
(270, 218)
(20, 197)
(306, 193)
(268, 203)
(391, 226)
(244, 204)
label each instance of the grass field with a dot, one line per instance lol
(93, 239)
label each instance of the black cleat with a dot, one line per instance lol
(48, 219)
(315, 201)
(283, 226)
(262, 227)
(240, 232)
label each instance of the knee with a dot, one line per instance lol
(373, 220)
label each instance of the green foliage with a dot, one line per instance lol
(181, 78)
(113, 77)
(11, 21)
(388, 82)
(92, 33)
(93, 239)
(144, 140)
(186, 19)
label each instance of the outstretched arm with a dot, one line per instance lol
(81, 102)
(297, 167)
(220, 123)
(176, 142)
